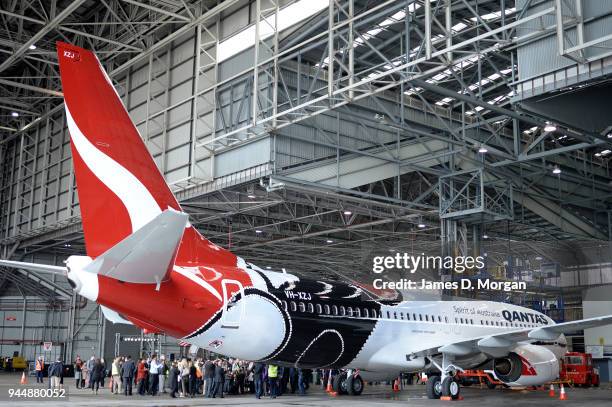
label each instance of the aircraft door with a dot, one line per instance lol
(229, 303)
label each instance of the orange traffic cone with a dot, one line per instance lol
(329, 388)
(562, 395)
(551, 390)
(396, 385)
(24, 380)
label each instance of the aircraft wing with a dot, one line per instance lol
(498, 345)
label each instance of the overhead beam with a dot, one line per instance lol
(51, 25)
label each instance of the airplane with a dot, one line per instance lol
(146, 265)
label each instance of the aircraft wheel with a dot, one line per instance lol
(355, 385)
(450, 387)
(434, 387)
(339, 384)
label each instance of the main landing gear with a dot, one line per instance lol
(445, 386)
(349, 382)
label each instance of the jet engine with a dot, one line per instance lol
(527, 365)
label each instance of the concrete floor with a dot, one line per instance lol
(413, 396)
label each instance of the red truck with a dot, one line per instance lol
(577, 368)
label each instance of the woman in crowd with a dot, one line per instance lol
(141, 376)
(78, 371)
(97, 374)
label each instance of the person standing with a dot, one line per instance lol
(301, 382)
(173, 378)
(219, 379)
(127, 374)
(116, 373)
(163, 374)
(78, 371)
(90, 365)
(258, 369)
(154, 371)
(193, 379)
(97, 373)
(273, 379)
(209, 375)
(40, 369)
(141, 377)
(55, 372)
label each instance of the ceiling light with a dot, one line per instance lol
(268, 267)
(482, 149)
(550, 127)
(556, 170)
(485, 236)
(258, 231)
(606, 152)
(15, 114)
(251, 196)
(32, 46)
(538, 258)
(421, 225)
(347, 213)
(329, 241)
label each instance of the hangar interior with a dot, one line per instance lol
(312, 135)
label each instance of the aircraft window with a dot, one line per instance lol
(310, 307)
(401, 315)
(420, 317)
(334, 310)
(395, 315)
(349, 311)
(461, 319)
(326, 308)
(439, 318)
(471, 321)
(319, 309)
(388, 315)
(342, 310)
(358, 312)
(445, 319)
(481, 323)
(426, 317)
(433, 319)
(414, 317)
(285, 305)
(302, 307)
(293, 306)
(374, 313)
(408, 316)
(366, 314)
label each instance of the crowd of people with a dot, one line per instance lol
(198, 377)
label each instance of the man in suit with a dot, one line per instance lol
(127, 373)
(218, 379)
(209, 376)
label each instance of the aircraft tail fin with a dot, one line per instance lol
(119, 185)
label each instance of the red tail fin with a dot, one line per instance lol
(120, 188)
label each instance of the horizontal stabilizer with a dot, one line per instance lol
(42, 268)
(146, 255)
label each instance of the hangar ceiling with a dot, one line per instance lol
(416, 91)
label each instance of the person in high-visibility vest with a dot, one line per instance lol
(273, 380)
(40, 369)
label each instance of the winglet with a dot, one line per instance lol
(147, 255)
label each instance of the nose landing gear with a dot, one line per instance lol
(444, 387)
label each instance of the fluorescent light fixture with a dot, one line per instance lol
(348, 213)
(32, 46)
(287, 17)
(482, 149)
(538, 258)
(268, 267)
(485, 236)
(252, 196)
(329, 241)
(556, 170)
(258, 231)
(15, 114)
(421, 225)
(550, 127)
